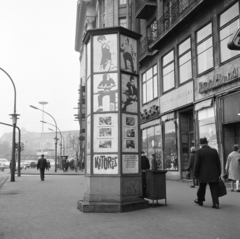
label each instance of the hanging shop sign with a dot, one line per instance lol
(149, 114)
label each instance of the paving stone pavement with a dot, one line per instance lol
(31, 209)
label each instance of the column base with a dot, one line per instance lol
(85, 206)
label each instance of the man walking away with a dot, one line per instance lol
(42, 165)
(207, 170)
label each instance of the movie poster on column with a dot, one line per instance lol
(130, 163)
(88, 134)
(105, 132)
(128, 50)
(105, 92)
(129, 93)
(88, 96)
(105, 53)
(105, 164)
(129, 133)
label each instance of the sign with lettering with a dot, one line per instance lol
(105, 164)
(130, 163)
(177, 98)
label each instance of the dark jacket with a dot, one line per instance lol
(144, 163)
(207, 166)
(191, 163)
(42, 163)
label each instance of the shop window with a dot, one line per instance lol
(123, 22)
(185, 61)
(207, 126)
(229, 23)
(122, 2)
(170, 146)
(150, 85)
(168, 71)
(204, 49)
(152, 144)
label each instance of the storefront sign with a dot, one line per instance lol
(130, 163)
(177, 98)
(218, 80)
(151, 113)
(105, 164)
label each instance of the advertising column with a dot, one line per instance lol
(112, 177)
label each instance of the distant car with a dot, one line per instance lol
(33, 164)
(4, 162)
(2, 167)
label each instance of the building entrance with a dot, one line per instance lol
(231, 136)
(186, 126)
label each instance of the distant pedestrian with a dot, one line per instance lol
(153, 162)
(75, 163)
(48, 165)
(42, 165)
(190, 168)
(233, 167)
(145, 165)
(207, 170)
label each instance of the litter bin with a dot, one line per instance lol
(156, 185)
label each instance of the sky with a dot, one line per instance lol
(37, 41)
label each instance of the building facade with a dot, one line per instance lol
(189, 79)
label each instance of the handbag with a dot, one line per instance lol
(225, 176)
(221, 189)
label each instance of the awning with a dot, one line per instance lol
(168, 117)
(203, 104)
(150, 124)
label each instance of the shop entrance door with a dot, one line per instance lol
(231, 136)
(186, 137)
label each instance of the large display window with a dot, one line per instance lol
(207, 126)
(170, 146)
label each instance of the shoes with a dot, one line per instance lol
(192, 186)
(215, 206)
(198, 202)
(232, 190)
(238, 191)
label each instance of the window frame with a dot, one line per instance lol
(200, 42)
(220, 28)
(164, 66)
(145, 82)
(181, 55)
(119, 21)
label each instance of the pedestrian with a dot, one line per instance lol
(190, 167)
(42, 165)
(153, 162)
(144, 162)
(48, 165)
(233, 167)
(207, 170)
(75, 163)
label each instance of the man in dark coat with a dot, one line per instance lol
(207, 170)
(145, 165)
(42, 165)
(190, 168)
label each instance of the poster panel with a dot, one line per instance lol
(88, 59)
(88, 134)
(105, 53)
(105, 164)
(130, 163)
(88, 163)
(128, 50)
(129, 93)
(88, 96)
(105, 133)
(105, 92)
(129, 133)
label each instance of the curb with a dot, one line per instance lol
(3, 180)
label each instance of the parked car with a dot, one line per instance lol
(33, 164)
(2, 167)
(4, 162)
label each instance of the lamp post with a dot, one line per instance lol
(42, 103)
(56, 139)
(62, 138)
(14, 123)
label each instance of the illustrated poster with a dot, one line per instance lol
(129, 93)
(105, 53)
(105, 133)
(130, 163)
(128, 50)
(129, 133)
(105, 92)
(105, 164)
(88, 96)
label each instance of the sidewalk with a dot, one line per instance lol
(31, 209)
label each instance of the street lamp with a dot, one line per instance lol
(42, 103)
(14, 121)
(56, 139)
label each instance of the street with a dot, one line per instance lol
(31, 209)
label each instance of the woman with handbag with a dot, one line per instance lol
(233, 167)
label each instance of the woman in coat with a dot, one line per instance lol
(190, 167)
(233, 167)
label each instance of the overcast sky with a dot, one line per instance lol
(37, 50)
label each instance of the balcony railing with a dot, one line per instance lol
(144, 46)
(144, 8)
(173, 14)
